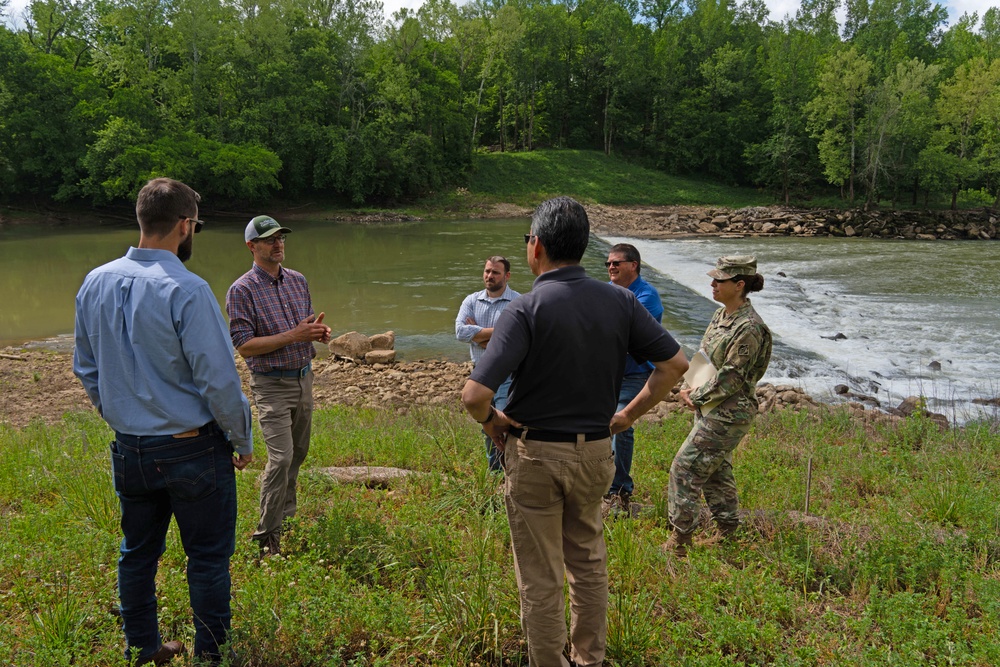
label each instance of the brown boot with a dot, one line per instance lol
(678, 544)
(163, 655)
(728, 530)
(270, 545)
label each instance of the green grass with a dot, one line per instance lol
(528, 178)
(899, 563)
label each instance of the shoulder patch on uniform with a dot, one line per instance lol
(743, 350)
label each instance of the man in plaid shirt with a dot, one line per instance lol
(272, 324)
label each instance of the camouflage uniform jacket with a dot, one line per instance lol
(739, 346)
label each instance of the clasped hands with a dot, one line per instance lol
(311, 329)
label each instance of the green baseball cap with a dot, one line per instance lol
(727, 268)
(263, 226)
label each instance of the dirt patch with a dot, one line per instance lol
(39, 384)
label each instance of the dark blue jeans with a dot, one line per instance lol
(623, 443)
(192, 479)
(494, 456)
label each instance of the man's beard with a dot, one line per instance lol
(186, 247)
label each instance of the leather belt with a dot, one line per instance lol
(555, 436)
(207, 429)
(296, 373)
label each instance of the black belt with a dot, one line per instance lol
(555, 436)
(295, 373)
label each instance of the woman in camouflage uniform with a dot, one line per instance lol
(738, 344)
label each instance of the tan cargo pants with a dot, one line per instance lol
(553, 495)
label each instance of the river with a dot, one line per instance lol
(899, 305)
(914, 317)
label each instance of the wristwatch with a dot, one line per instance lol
(489, 418)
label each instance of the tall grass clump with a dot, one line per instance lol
(896, 562)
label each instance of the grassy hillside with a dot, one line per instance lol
(897, 564)
(530, 177)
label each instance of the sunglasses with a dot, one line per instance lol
(616, 262)
(198, 224)
(528, 237)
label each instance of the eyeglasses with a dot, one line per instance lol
(271, 240)
(616, 262)
(528, 237)
(198, 224)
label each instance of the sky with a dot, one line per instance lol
(778, 8)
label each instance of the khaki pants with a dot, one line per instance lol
(284, 409)
(553, 496)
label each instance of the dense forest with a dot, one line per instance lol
(248, 98)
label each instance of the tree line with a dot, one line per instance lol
(249, 98)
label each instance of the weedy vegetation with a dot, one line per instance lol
(896, 563)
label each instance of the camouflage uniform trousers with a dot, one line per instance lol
(704, 464)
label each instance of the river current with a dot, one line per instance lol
(890, 319)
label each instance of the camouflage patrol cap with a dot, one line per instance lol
(731, 266)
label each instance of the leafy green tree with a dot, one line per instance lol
(47, 125)
(58, 27)
(505, 31)
(951, 160)
(613, 64)
(991, 34)
(888, 32)
(836, 112)
(959, 44)
(8, 46)
(710, 101)
(786, 160)
(123, 158)
(896, 124)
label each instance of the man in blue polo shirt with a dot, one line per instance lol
(624, 265)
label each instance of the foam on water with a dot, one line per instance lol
(899, 308)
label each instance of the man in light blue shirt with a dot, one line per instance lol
(154, 355)
(474, 325)
(624, 265)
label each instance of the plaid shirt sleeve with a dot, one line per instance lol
(239, 308)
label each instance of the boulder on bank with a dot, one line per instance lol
(917, 405)
(374, 477)
(971, 224)
(377, 349)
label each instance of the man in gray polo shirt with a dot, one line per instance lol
(556, 430)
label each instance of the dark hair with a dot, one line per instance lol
(500, 259)
(562, 228)
(631, 254)
(754, 283)
(162, 203)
